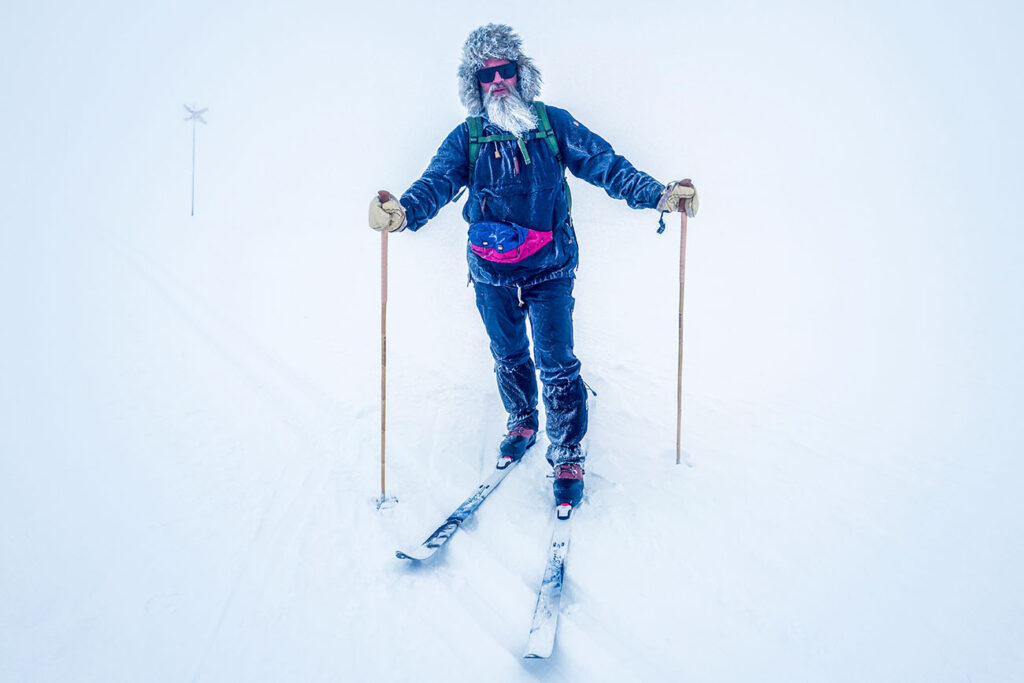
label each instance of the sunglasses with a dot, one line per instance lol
(507, 71)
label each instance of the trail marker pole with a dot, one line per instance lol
(194, 115)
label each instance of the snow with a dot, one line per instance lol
(190, 406)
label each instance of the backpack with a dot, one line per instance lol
(544, 132)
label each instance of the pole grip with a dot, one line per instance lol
(383, 196)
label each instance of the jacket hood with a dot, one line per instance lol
(494, 41)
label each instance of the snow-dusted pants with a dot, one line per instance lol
(549, 306)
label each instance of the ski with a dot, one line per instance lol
(444, 532)
(545, 616)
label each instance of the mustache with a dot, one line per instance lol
(489, 95)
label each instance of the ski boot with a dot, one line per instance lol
(567, 462)
(568, 483)
(568, 477)
(514, 445)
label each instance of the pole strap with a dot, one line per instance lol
(661, 222)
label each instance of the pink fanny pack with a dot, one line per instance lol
(505, 242)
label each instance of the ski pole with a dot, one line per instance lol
(384, 196)
(679, 374)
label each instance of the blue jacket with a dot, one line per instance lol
(506, 189)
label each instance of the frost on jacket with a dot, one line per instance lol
(507, 189)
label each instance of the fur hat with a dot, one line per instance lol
(494, 41)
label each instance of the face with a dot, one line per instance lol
(499, 87)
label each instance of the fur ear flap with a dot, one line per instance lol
(494, 41)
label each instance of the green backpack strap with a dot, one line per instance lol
(546, 131)
(476, 129)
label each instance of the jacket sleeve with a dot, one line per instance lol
(588, 156)
(447, 172)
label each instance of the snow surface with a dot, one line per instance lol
(190, 406)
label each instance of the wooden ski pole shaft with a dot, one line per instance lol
(679, 373)
(384, 196)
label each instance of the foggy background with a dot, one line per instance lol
(858, 240)
(853, 270)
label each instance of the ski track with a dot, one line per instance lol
(288, 511)
(265, 370)
(747, 550)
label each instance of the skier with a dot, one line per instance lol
(511, 155)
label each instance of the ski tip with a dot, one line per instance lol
(539, 650)
(418, 555)
(408, 556)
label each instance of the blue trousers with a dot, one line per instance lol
(549, 306)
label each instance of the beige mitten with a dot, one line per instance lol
(681, 191)
(388, 216)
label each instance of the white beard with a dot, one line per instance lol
(510, 113)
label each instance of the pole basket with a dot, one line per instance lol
(384, 502)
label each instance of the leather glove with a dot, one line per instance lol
(388, 216)
(683, 192)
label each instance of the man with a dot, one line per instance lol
(511, 154)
